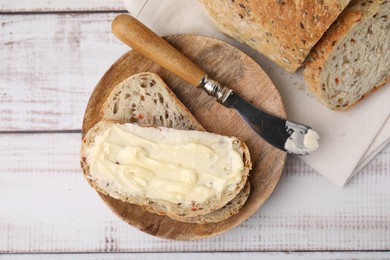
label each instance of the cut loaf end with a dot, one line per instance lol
(352, 60)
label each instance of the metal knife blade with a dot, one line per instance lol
(288, 136)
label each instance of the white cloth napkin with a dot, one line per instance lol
(349, 140)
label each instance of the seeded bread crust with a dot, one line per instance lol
(145, 99)
(230, 209)
(282, 30)
(173, 210)
(352, 60)
(142, 99)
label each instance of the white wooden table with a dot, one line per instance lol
(52, 53)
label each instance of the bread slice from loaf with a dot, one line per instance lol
(123, 175)
(282, 30)
(352, 60)
(144, 98)
(230, 209)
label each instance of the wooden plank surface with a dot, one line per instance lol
(214, 256)
(50, 64)
(47, 206)
(11, 6)
(53, 63)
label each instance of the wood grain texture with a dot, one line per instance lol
(50, 65)
(47, 206)
(232, 68)
(10, 6)
(214, 256)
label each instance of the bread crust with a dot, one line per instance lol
(154, 112)
(162, 207)
(187, 121)
(230, 209)
(323, 50)
(283, 30)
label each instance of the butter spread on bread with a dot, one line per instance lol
(145, 99)
(184, 209)
(162, 163)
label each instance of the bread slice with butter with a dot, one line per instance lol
(230, 209)
(145, 99)
(182, 173)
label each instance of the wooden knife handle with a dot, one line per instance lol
(139, 37)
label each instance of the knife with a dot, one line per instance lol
(290, 137)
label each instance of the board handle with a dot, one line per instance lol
(139, 37)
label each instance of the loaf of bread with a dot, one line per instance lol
(145, 99)
(282, 30)
(352, 59)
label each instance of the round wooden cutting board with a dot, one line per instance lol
(232, 68)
